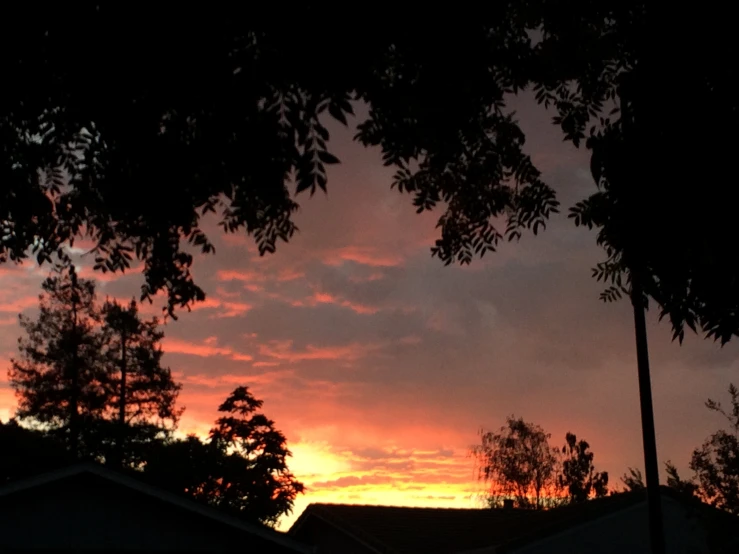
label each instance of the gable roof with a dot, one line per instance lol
(398, 530)
(170, 498)
(567, 517)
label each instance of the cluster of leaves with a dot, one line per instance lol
(188, 123)
(647, 160)
(438, 112)
(132, 154)
(518, 463)
(225, 120)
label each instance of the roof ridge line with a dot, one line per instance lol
(142, 487)
(347, 527)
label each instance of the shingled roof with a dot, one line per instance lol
(403, 530)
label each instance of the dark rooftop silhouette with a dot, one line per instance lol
(406, 530)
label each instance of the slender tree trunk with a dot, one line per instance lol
(74, 427)
(635, 264)
(654, 504)
(122, 403)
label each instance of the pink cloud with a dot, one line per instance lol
(376, 276)
(234, 309)
(19, 304)
(254, 281)
(328, 298)
(369, 256)
(237, 275)
(12, 270)
(360, 308)
(289, 275)
(277, 351)
(206, 349)
(233, 380)
(223, 293)
(228, 308)
(208, 303)
(325, 298)
(284, 351)
(353, 481)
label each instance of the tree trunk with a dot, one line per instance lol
(654, 504)
(122, 404)
(74, 427)
(635, 264)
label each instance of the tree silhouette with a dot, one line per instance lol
(85, 157)
(142, 395)
(93, 376)
(674, 481)
(643, 161)
(633, 480)
(186, 466)
(242, 468)
(28, 452)
(517, 462)
(257, 483)
(59, 376)
(716, 462)
(578, 476)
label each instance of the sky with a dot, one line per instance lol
(381, 365)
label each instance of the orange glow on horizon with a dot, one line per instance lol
(333, 477)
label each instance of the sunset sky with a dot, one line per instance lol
(380, 364)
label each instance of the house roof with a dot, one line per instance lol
(564, 518)
(398, 530)
(143, 488)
